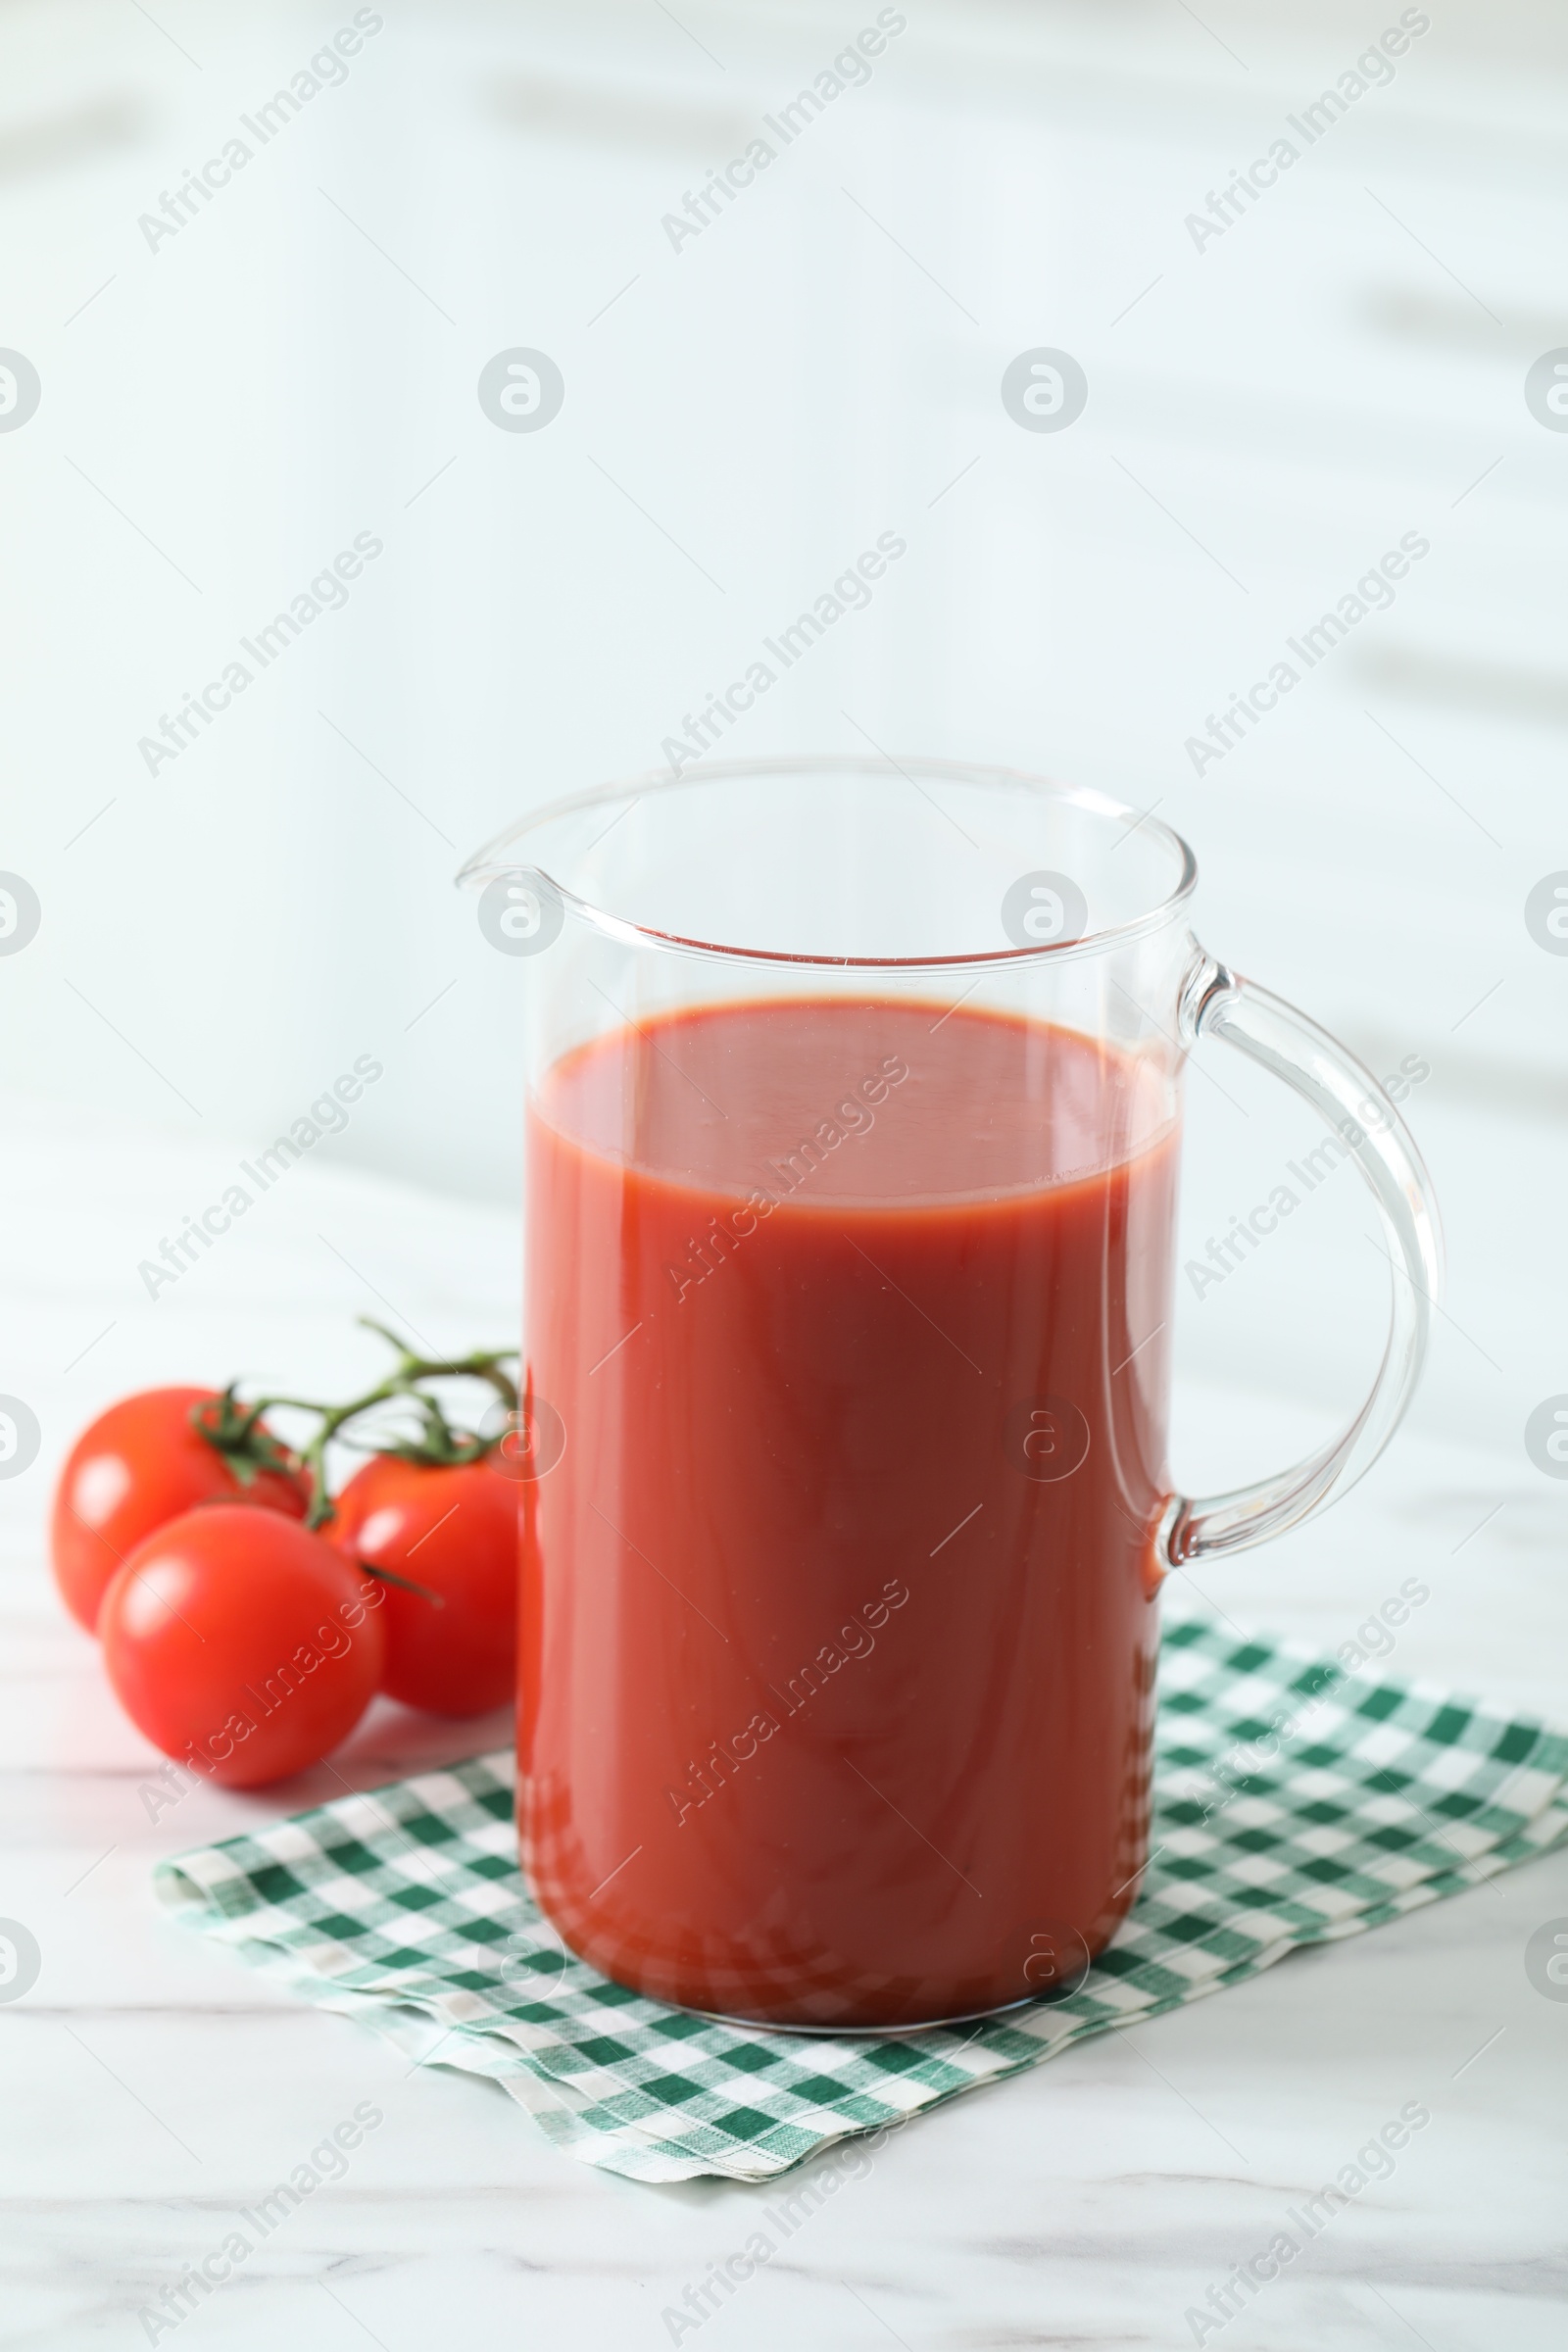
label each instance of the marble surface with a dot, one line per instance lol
(153, 2091)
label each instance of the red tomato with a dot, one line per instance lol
(453, 1530)
(135, 1467)
(242, 1645)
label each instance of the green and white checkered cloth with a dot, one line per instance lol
(1292, 1805)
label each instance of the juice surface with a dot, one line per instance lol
(838, 1635)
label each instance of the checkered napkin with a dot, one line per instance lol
(1292, 1805)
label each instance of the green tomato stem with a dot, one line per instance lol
(235, 1430)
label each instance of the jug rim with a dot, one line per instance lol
(490, 863)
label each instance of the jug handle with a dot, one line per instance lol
(1217, 1002)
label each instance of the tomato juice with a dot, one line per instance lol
(837, 1636)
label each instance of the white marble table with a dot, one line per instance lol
(152, 2088)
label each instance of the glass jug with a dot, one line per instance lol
(853, 1112)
